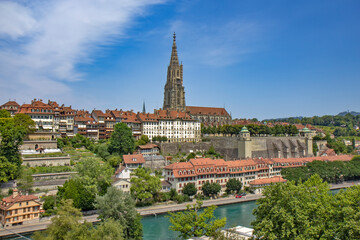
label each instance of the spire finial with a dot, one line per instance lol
(174, 37)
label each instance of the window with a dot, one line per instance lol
(19, 204)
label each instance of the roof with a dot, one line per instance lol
(98, 113)
(148, 146)
(207, 111)
(133, 159)
(262, 181)
(11, 200)
(10, 103)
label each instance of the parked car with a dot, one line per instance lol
(238, 196)
(243, 194)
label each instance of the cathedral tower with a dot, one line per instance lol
(174, 92)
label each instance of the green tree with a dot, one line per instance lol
(61, 225)
(143, 140)
(25, 122)
(4, 114)
(192, 223)
(7, 170)
(290, 211)
(67, 226)
(121, 140)
(93, 179)
(119, 206)
(211, 189)
(190, 189)
(233, 186)
(143, 185)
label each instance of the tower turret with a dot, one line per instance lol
(174, 91)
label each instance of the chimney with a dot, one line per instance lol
(15, 193)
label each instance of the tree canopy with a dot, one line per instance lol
(143, 185)
(190, 189)
(121, 140)
(192, 223)
(307, 211)
(233, 186)
(66, 225)
(211, 189)
(93, 178)
(120, 206)
(12, 133)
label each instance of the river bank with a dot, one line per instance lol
(152, 211)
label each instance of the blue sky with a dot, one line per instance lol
(263, 59)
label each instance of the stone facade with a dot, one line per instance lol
(174, 94)
(244, 146)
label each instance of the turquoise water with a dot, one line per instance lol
(157, 227)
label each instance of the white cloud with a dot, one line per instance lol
(41, 42)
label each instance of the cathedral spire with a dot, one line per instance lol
(174, 57)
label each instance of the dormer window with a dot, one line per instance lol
(134, 159)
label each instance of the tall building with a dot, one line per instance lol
(174, 94)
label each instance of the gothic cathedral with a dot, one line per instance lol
(174, 92)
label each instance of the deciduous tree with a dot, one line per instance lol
(233, 186)
(121, 140)
(143, 185)
(120, 206)
(192, 223)
(190, 189)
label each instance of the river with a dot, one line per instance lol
(238, 214)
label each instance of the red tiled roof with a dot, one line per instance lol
(133, 159)
(275, 179)
(207, 111)
(10, 103)
(9, 201)
(98, 113)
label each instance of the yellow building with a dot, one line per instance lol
(18, 208)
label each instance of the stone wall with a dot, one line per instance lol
(266, 147)
(184, 147)
(30, 145)
(155, 162)
(48, 161)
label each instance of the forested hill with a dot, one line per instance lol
(348, 120)
(352, 113)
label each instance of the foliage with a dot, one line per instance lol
(254, 129)
(77, 141)
(143, 140)
(93, 179)
(4, 114)
(121, 140)
(159, 139)
(192, 223)
(7, 169)
(67, 226)
(119, 206)
(190, 156)
(332, 172)
(173, 194)
(211, 189)
(50, 169)
(190, 189)
(114, 160)
(233, 186)
(307, 211)
(25, 122)
(143, 185)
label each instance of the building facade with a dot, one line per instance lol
(210, 116)
(17, 209)
(11, 106)
(174, 91)
(202, 170)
